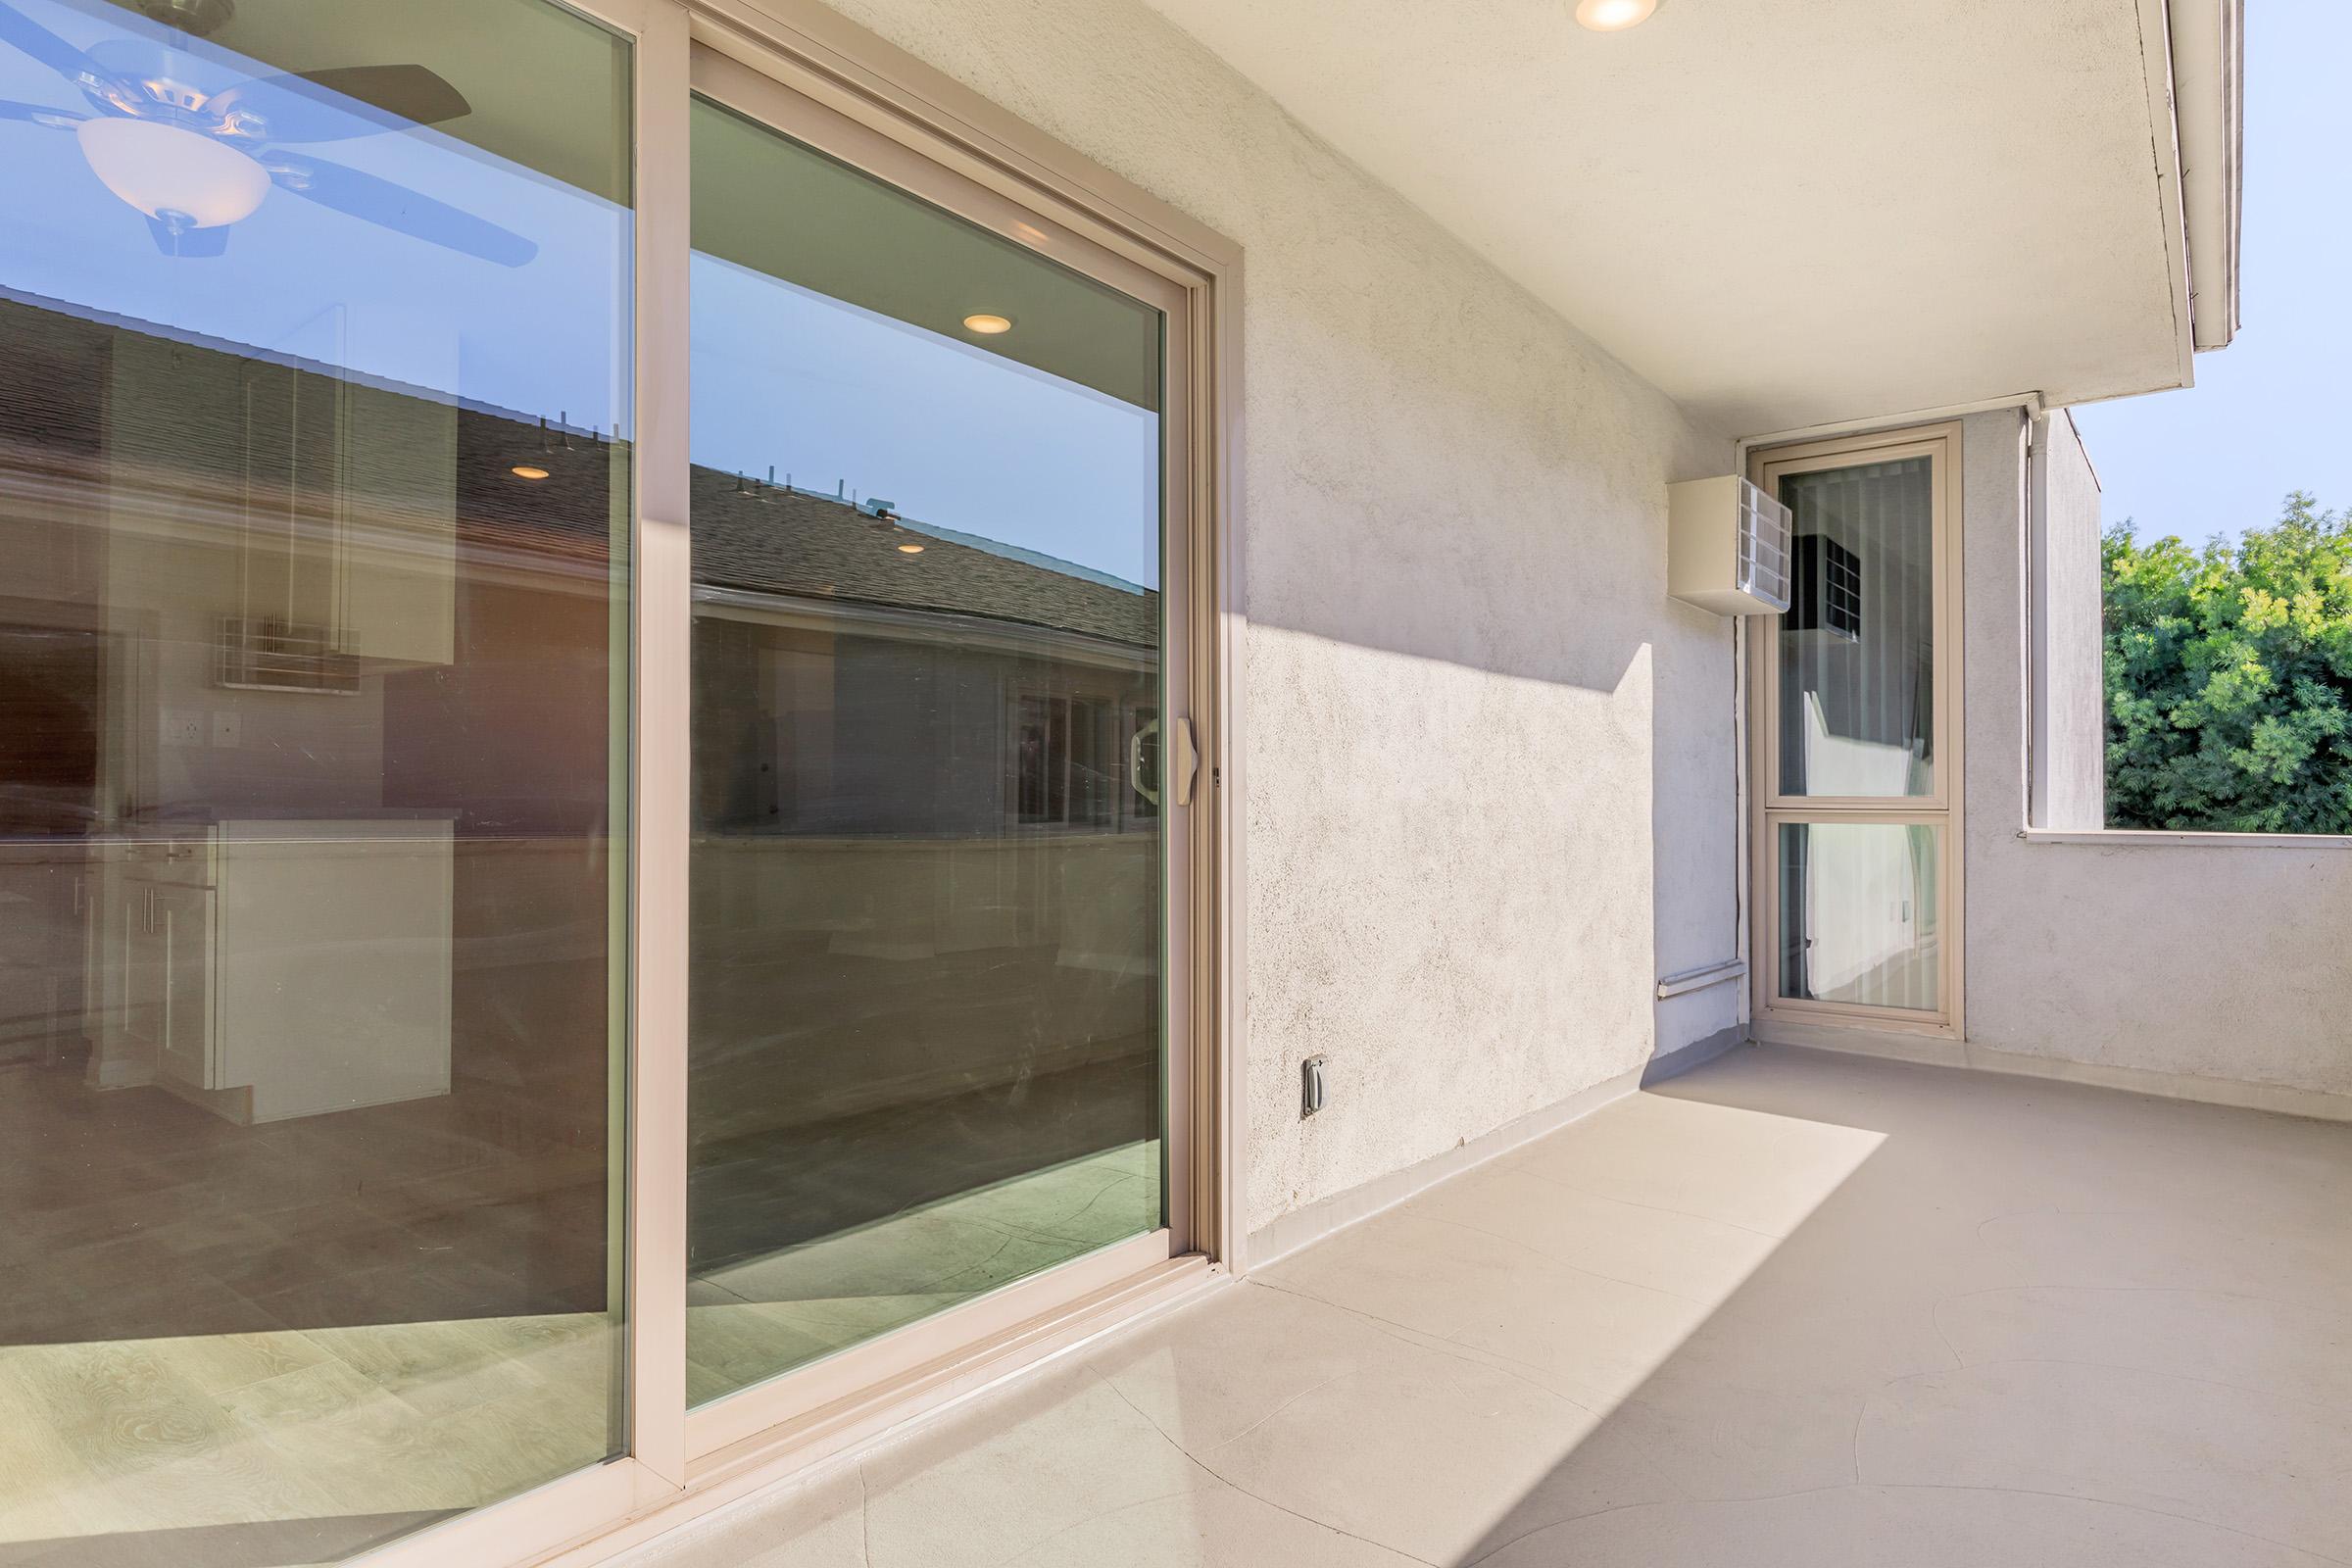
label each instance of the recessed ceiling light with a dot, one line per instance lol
(910, 550)
(990, 325)
(527, 471)
(1613, 16)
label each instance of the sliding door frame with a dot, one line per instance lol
(1942, 809)
(723, 78)
(874, 105)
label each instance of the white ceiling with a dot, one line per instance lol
(1784, 213)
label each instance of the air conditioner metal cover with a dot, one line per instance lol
(1726, 547)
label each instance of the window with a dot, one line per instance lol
(927, 957)
(315, 466)
(529, 949)
(1853, 692)
(1085, 760)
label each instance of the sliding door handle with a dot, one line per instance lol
(1185, 760)
(1136, 742)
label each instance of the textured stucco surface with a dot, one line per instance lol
(1488, 761)
(2225, 961)
(2071, 716)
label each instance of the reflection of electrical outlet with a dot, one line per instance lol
(224, 726)
(183, 728)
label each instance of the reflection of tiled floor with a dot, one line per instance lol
(133, 1215)
(290, 1447)
(751, 1320)
(295, 1446)
(766, 1176)
(1793, 1310)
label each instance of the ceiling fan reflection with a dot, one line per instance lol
(196, 149)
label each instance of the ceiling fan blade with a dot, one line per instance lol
(188, 242)
(38, 114)
(341, 102)
(407, 212)
(21, 31)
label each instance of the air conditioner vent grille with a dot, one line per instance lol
(1763, 547)
(1726, 547)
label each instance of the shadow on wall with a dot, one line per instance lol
(1473, 484)
(1501, 589)
(1471, 492)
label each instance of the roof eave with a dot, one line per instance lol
(2207, 38)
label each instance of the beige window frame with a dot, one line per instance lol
(819, 78)
(1942, 809)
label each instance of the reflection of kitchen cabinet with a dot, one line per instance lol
(322, 507)
(169, 948)
(397, 490)
(278, 969)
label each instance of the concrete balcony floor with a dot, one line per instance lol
(1792, 1309)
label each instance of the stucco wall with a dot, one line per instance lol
(1486, 757)
(2070, 721)
(2225, 961)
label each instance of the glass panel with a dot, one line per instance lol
(1859, 913)
(313, 492)
(927, 862)
(1857, 643)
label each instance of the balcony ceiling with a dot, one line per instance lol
(1788, 213)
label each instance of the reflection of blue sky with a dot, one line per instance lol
(546, 337)
(955, 436)
(951, 433)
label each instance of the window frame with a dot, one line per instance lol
(1769, 808)
(917, 122)
(722, 76)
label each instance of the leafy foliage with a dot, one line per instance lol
(2229, 678)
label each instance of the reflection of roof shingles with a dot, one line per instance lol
(786, 541)
(780, 541)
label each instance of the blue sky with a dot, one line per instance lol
(2272, 412)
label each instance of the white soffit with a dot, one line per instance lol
(1782, 213)
(2209, 90)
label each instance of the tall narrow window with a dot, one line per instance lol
(1858, 839)
(313, 500)
(927, 1008)
(1857, 643)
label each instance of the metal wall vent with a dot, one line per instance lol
(1726, 547)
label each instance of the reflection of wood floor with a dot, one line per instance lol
(751, 1320)
(289, 1446)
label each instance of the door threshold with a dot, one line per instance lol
(794, 1448)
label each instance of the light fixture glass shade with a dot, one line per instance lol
(1613, 16)
(172, 173)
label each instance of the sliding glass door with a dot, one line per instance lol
(596, 671)
(1857, 743)
(314, 502)
(928, 973)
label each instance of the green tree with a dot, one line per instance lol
(2229, 678)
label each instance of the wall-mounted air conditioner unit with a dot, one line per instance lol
(1825, 589)
(1726, 547)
